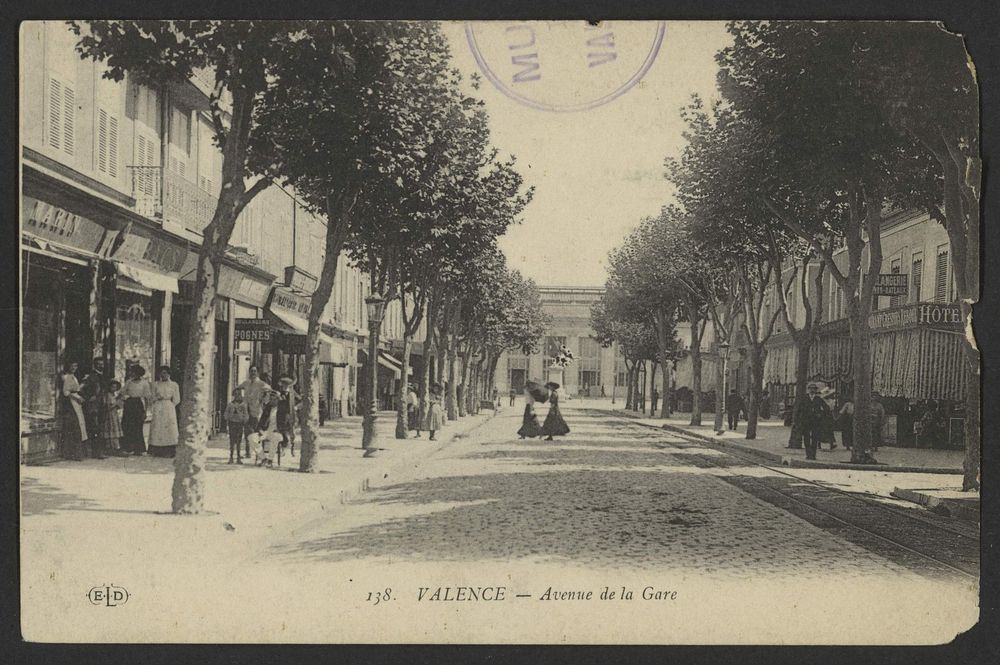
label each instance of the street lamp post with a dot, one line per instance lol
(376, 308)
(724, 348)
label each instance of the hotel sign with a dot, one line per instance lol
(931, 315)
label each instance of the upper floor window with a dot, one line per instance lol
(941, 274)
(916, 275)
(895, 267)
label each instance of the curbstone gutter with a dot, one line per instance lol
(965, 508)
(798, 462)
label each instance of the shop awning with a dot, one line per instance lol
(919, 364)
(151, 280)
(779, 365)
(289, 323)
(332, 352)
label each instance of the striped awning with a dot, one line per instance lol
(830, 359)
(779, 365)
(919, 364)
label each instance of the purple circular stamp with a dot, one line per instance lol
(564, 65)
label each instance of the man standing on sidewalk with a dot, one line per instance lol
(654, 401)
(815, 416)
(734, 405)
(253, 394)
(92, 390)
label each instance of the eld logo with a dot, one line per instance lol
(109, 596)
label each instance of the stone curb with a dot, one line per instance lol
(799, 463)
(967, 510)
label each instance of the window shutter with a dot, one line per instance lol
(916, 276)
(113, 147)
(102, 141)
(941, 277)
(54, 126)
(69, 120)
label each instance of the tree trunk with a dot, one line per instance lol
(463, 386)
(862, 371)
(628, 386)
(720, 389)
(665, 365)
(801, 383)
(188, 489)
(338, 207)
(652, 386)
(451, 396)
(696, 335)
(757, 355)
(402, 391)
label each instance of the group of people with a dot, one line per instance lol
(819, 421)
(102, 417)
(261, 416)
(435, 418)
(554, 424)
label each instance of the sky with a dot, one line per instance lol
(596, 172)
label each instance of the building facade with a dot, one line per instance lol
(119, 179)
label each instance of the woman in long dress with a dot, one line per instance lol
(529, 422)
(554, 424)
(137, 394)
(163, 433)
(435, 415)
(74, 426)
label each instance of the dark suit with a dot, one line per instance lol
(816, 419)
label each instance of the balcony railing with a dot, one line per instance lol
(147, 190)
(166, 195)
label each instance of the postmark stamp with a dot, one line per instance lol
(564, 65)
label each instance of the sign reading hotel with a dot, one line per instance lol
(252, 330)
(925, 314)
(894, 284)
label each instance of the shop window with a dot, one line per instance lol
(41, 305)
(135, 331)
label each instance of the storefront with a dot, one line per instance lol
(61, 256)
(288, 313)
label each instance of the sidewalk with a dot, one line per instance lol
(253, 505)
(930, 478)
(772, 439)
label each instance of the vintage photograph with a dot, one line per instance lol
(498, 332)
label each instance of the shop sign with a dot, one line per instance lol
(59, 225)
(145, 251)
(292, 344)
(229, 282)
(925, 314)
(253, 291)
(894, 284)
(298, 305)
(252, 330)
(300, 280)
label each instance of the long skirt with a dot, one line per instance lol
(133, 418)
(163, 429)
(412, 418)
(529, 424)
(554, 424)
(74, 429)
(435, 418)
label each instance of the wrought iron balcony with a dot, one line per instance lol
(169, 196)
(147, 190)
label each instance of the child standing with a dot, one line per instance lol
(236, 417)
(112, 426)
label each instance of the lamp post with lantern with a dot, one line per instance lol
(724, 349)
(375, 305)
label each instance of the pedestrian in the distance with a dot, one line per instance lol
(734, 405)
(253, 389)
(412, 409)
(92, 390)
(435, 415)
(878, 420)
(654, 401)
(847, 423)
(72, 420)
(288, 401)
(530, 427)
(236, 417)
(815, 415)
(138, 394)
(554, 424)
(163, 434)
(111, 429)
(513, 394)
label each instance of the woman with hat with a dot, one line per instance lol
(288, 400)
(435, 416)
(554, 424)
(163, 434)
(529, 422)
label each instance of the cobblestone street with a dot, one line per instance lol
(610, 492)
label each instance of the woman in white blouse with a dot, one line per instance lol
(74, 426)
(163, 435)
(137, 394)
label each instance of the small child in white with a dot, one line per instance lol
(236, 416)
(268, 436)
